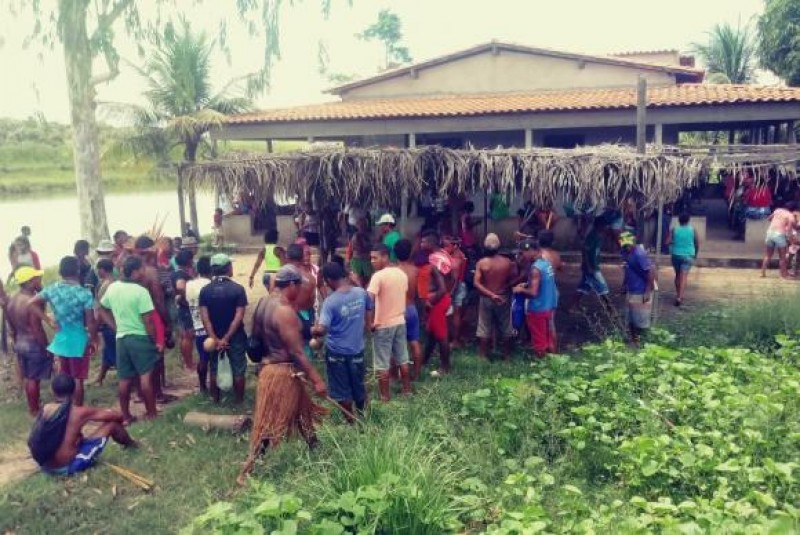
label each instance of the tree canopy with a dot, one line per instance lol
(388, 29)
(779, 39)
(729, 54)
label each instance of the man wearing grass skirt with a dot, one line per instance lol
(640, 279)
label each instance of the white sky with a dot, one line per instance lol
(432, 27)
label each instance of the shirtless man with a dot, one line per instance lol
(283, 405)
(304, 302)
(402, 249)
(57, 442)
(442, 281)
(459, 293)
(30, 340)
(494, 275)
(144, 247)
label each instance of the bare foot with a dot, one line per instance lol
(241, 480)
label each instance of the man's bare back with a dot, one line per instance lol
(552, 256)
(24, 323)
(412, 272)
(305, 298)
(495, 274)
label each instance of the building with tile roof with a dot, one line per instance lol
(504, 94)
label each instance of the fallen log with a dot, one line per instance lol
(227, 422)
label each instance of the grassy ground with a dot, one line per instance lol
(674, 440)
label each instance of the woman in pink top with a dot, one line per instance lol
(782, 222)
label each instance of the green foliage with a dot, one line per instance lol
(729, 54)
(779, 39)
(388, 29)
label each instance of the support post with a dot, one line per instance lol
(528, 138)
(190, 190)
(791, 138)
(731, 137)
(641, 114)
(658, 134)
(269, 146)
(412, 144)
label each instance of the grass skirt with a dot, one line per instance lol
(283, 407)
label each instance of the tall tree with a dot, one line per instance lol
(182, 106)
(729, 54)
(388, 29)
(779, 39)
(88, 30)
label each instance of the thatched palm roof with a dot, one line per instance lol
(378, 176)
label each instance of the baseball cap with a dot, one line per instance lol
(105, 246)
(220, 260)
(492, 241)
(386, 219)
(24, 274)
(626, 239)
(288, 274)
(189, 242)
(527, 245)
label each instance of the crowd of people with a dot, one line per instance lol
(403, 298)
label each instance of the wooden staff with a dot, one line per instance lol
(302, 377)
(140, 481)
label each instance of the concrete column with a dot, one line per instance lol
(528, 138)
(791, 138)
(269, 146)
(658, 134)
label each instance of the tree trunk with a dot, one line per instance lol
(85, 141)
(190, 155)
(181, 200)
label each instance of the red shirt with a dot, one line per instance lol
(758, 197)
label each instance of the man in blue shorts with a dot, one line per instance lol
(57, 442)
(640, 279)
(345, 315)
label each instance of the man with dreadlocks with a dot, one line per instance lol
(283, 405)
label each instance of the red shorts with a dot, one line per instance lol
(158, 324)
(75, 367)
(541, 334)
(437, 319)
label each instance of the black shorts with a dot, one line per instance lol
(185, 319)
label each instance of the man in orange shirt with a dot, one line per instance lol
(387, 289)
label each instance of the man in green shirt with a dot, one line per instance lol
(389, 235)
(127, 308)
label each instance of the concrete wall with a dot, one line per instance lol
(507, 71)
(671, 57)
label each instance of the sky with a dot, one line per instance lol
(34, 80)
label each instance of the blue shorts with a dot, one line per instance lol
(776, 240)
(412, 323)
(682, 263)
(109, 346)
(460, 295)
(88, 453)
(198, 344)
(346, 375)
(593, 283)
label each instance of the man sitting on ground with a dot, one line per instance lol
(57, 442)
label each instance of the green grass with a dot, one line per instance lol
(670, 439)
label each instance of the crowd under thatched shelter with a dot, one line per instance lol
(383, 176)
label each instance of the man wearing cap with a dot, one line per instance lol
(105, 249)
(542, 298)
(640, 279)
(345, 314)
(494, 274)
(389, 235)
(75, 338)
(283, 405)
(30, 340)
(222, 306)
(127, 308)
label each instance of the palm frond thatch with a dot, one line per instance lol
(379, 177)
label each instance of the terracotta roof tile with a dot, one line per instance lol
(508, 103)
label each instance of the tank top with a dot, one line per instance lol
(683, 241)
(273, 343)
(271, 262)
(547, 298)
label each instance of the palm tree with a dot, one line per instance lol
(182, 107)
(729, 55)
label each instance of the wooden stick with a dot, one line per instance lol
(302, 377)
(136, 479)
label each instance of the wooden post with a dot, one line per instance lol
(791, 138)
(528, 138)
(269, 146)
(731, 137)
(641, 114)
(412, 144)
(190, 190)
(658, 134)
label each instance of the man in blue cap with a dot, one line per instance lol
(222, 306)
